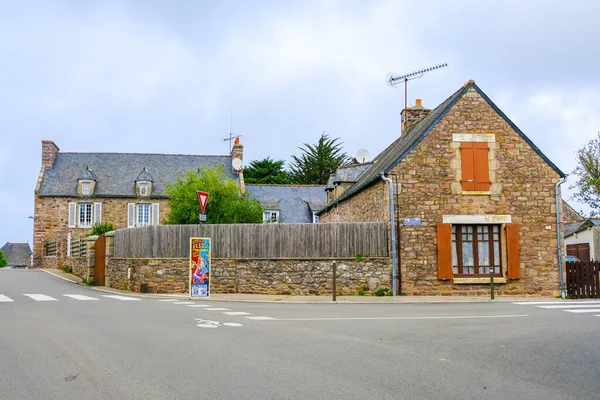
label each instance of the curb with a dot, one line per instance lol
(59, 277)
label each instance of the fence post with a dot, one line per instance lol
(334, 268)
(492, 282)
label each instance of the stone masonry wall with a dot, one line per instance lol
(524, 189)
(370, 205)
(281, 276)
(52, 214)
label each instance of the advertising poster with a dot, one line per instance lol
(200, 267)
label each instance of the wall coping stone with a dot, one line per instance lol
(264, 259)
(110, 234)
(92, 238)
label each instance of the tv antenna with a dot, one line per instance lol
(394, 80)
(231, 136)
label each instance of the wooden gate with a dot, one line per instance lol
(581, 251)
(583, 279)
(100, 262)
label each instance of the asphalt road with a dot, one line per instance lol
(112, 348)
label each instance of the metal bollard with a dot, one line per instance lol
(334, 268)
(492, 282)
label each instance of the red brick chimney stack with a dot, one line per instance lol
(49, 152)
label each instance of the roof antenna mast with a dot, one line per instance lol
(232, 136)
(394, 80)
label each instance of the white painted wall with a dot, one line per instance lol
(584, 236)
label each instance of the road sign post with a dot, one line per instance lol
(203, 200)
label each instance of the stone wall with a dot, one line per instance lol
(281, 276)
(370, 205)
(568, 214)
(52, 213)
(524, 189)
(79, 265)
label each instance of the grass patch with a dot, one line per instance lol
(67, 269)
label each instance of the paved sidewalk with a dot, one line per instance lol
(265, 298)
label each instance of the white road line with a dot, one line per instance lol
(231, 324)
(218, 309)
(536, 303)
(124, 298)
(40, 297)
(392, 318)
(80, 297)
(183, 302)
(571, 306)
(5, 299)
(583, 311)
(198, 305)
(236, 313)
(260, 318)
(169, 300)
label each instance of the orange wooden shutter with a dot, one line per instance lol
(467, 150)
(513, 251)
(482, 174)
(444, 244)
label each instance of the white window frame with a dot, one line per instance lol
(89, 211)
(315, 218)
(144, 189)
(148, 219)
(268, 216)
(86, 188)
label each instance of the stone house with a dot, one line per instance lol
(76, 190)
(582, 239)
(472, 195)
(289, 203)
(18, 255)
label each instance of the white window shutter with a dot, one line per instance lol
(72, 215)
(130, 215)
(97, 213)
(155, 214)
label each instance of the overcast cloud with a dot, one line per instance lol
(163, 76)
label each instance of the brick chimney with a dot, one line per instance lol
(237, 151)
(49, 152)
(413, 115)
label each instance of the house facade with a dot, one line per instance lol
(472, 194)
(74, 191)
(582, 239)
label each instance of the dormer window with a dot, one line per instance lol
(86, 188)
(144, 189)
(143, 183)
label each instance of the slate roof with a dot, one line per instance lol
(144, 176)
(17, 254)
(295, 203)
(350, 173)
(116, 172)
(575, 227)
(88, 175)
(401, 147)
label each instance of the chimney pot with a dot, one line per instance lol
(419, 103)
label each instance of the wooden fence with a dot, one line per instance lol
(256, 240)
(78, 247)
(50, 248)
(583, 279)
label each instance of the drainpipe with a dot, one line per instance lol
(393, 223)
(558, 231)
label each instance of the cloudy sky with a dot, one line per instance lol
(163, 76)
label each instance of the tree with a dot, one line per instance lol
(266, 171)
(226, 205)
(3, 262)
(318, 161)
(587, 186)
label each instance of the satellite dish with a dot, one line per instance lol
(236, 163)
(363, 156)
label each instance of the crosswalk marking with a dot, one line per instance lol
(169, 300)
(259, 318)
(184, 302)
(236, 313)
(535, 303)
(572, 306)
(198, 305)
(217, 309)
(5, 299)
(584, 311)
(40, 297)
(80, 297)
(125, 298)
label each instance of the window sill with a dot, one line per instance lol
(476, 192)
(471, 281)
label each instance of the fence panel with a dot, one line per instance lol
(583, 279)
(51, 248)
(256, 240)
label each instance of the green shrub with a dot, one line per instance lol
(360, 257)
(88, 282)
(381, 292)
(361, 292)
(67, 268)
(101, 228)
